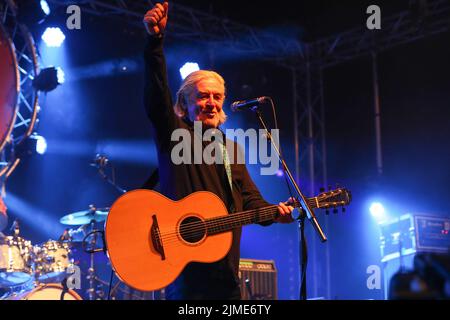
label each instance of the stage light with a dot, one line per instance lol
(31, 12)
(53, 37)
(45, 7)
(60, 75)
(377, 211)
(48, 79)
(41, 144)
(34, 144)
(188, 68)
(280, 173)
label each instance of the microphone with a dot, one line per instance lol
(99, 161)
(248, 104)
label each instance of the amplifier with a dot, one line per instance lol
(258, 279)
(413, 233)
(432, 233)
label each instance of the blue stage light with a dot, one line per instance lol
(41, 144)
(48, 79)
(188, 68)
(53, 37)
(60, 75)
(377, 211)
(45, 7)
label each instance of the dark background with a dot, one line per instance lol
(99, 110)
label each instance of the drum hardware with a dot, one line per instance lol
(51, 291)
(28, 271)
(16, 259)
(52, 260)
(89, 245)
(15, 228)
(85, 217)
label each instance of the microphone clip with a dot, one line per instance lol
(100, 161)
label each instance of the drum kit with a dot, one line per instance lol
(41, 272)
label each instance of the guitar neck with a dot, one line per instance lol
(229, 222)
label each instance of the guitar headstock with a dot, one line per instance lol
(334, 198)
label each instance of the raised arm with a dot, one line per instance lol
(157, 97)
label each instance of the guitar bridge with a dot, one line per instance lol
(155, 237)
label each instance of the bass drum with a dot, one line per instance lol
(50, 291)
(9, 87)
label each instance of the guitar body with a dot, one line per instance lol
(130, 232)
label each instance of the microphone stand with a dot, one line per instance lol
(102, 173)
(306, 209)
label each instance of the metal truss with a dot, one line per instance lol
(310, 160)
(194, 25)
(395, 30)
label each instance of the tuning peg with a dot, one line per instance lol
(329, 187)
(343, 209)
(322, 189)
(327, 212)
(335, 210)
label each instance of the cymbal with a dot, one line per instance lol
(85, 216)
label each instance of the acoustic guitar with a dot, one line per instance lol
(151, 238)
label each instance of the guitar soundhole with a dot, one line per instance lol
(192, 229)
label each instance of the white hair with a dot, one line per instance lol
(188, 86)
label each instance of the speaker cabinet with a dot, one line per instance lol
(258, 279)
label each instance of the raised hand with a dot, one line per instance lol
(155, 19)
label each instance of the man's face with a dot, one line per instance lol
(206, 102)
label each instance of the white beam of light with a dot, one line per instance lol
(103, 69)
(26, 213)
(136, 152)
(141, 152)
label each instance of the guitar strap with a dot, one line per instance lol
(226, 163)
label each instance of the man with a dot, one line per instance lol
(200, 98)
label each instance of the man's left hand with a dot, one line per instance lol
(285, 211)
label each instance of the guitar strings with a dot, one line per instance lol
(169, 239)
(199, 227)
(227, 218)
(214, 222)
(218, 221)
